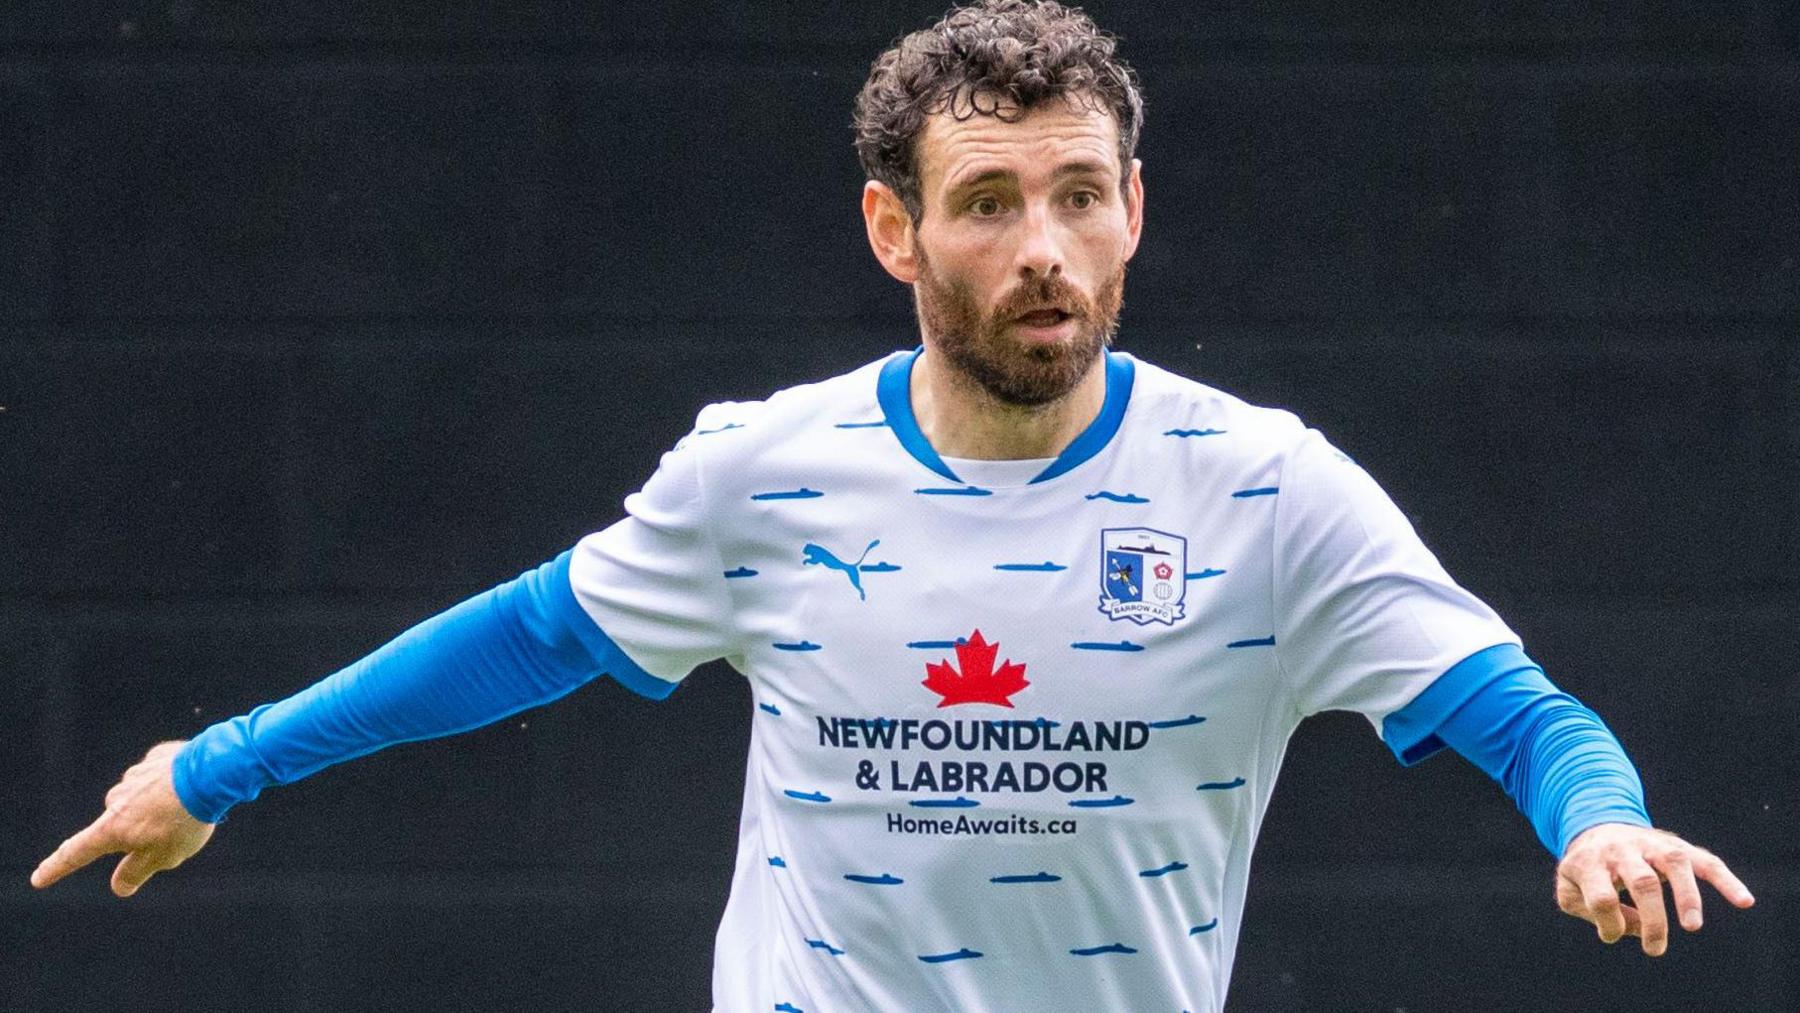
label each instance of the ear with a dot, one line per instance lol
(890, 231)
(1134, 210)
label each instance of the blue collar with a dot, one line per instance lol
(894, 391)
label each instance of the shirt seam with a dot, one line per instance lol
(1275, 613)
(734, 649)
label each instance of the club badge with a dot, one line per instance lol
(1143, 575)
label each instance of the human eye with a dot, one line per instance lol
(1083, 200)
(985, 206)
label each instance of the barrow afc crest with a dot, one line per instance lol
(1143, 575)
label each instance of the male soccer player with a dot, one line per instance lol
(1028, 622)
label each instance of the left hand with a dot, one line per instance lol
(1606, 858)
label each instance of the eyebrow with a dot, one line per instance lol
(1066, 169)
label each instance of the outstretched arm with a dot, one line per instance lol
(518, 645)
(1570, 776)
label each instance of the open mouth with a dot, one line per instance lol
(1043, 318)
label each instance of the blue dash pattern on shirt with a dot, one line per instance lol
(1101, 803)
(1102, 645)
(961, 490)
(959, 802)
(1095, 951)
(1191, 719)
(1268, 641)
(885, 879)
(1035, 877)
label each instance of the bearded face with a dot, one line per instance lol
(1000, 349)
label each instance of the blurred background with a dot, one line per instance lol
(317, 318)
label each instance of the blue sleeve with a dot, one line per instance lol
(518, 645)
(1554, 757)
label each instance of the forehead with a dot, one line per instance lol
(1050, 134)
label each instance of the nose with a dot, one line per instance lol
(1040, 248)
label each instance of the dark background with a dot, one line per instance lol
(315, 319)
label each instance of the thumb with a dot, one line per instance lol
(133, 871)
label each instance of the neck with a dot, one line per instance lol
(961, 419)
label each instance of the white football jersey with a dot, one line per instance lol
(1016, 724)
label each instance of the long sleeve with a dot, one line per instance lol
(523, 643)
(1554, 757)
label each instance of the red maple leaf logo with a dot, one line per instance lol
(978, 682)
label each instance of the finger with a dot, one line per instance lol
(1601, 899)
(133, 871)
(1568, 898)
(1678, 869)
(92, 842)
(1647, 895)
(1634, 923)
(1712, 869)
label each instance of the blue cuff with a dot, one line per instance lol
(559, 599)
(1557, 760)
(1411, 731)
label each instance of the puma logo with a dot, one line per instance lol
(821, 556)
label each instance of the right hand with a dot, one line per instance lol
(144, 819)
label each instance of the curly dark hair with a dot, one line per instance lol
(992, 58)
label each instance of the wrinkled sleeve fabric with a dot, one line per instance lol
(1555, 758)
(1366, 618)
(523, 643)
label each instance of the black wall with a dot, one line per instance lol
(315, 319)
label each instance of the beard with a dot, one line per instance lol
(1018, 373)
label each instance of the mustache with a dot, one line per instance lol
(1039, 291)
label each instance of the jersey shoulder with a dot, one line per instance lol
(1169, 406)
(845, 400)
(793, 440)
